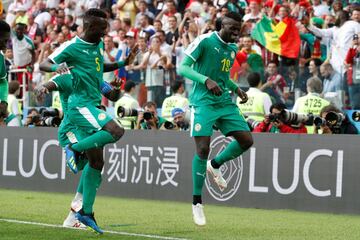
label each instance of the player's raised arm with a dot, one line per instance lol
(109, 67)
(48, 66)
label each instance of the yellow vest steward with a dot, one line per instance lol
(254, 107)
(311, 103)
(126, 102)
(175, 101)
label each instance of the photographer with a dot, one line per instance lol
(33, 118)
(274, 123)
(127, 101)
(333, 121)
(179, 119)
(149, 118)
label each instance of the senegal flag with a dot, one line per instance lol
(282, 38)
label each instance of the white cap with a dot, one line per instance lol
(20, 8)
(130, 34)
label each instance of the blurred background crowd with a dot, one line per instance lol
(298, 59)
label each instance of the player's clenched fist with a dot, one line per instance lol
(242, 95)
(213, 87)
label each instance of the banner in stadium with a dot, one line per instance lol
(301, 172)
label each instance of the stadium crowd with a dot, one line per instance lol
(294, 56)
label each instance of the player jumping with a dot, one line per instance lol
(85, 55)
(208, 61)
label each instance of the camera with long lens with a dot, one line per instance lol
(148, 116)
(356, 116)
(169, 125)
(127, 112)
(252, 123)
(50, 118)
(334, 119)
(319, 121)
(292, 118)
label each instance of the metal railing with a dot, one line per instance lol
(25, 93)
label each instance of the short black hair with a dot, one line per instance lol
(4, 26)
(279, 106)
(176, 86)
(94, 12)
(129, 85)
(162, 32)
(235, 16)
(21, 25)
(254, 79)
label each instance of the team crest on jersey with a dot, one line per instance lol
(232, 55)
(101, 116)
(197, 127)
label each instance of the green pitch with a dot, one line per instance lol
(165, 219)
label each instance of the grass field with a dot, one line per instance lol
(165, 219)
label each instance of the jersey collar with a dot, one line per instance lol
(314, 94)
(217, 34)
(85, 41)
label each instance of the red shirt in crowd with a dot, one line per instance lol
(351, 54)
(283, 128)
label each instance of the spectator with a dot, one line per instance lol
(115, 27)
(273, 123)
(314, 65)
(144, 25)
(173, 32)
(21, 16)
(154, 62)
(60, 21)
(320, 9)
(43, 19)
(136, 66)
(33, 118)
(353, 75)
(332, 79)
(34, 31)
(312, 102)
(24, 51)
(158, 25)
(249, 57)
(251, 18)
(275, 83)
(164, 47)
(149, 119)
(143, 9)
(127, 102)
(168, 11)
(258, 103)
(14, 106)
(109, 57)
(336, 122)
(341, 36)
(69, 21)
(175, 101)
(179, 120)
(127, 9)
